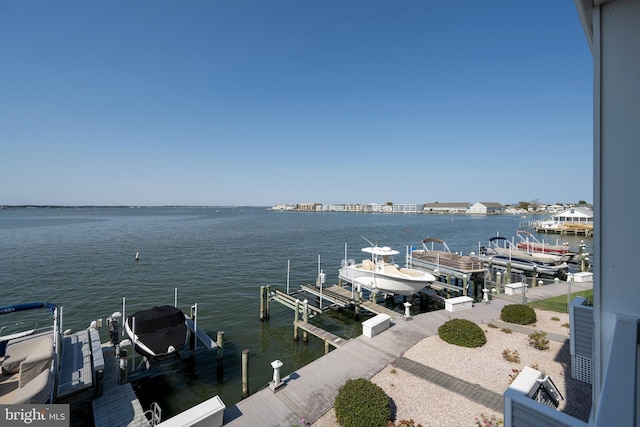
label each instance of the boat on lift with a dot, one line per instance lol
(436, 256)
(530, 243)
(507, 255)
(379, 273)
(158, 332)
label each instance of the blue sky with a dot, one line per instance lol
(266, 102)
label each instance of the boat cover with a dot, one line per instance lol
(159, 328)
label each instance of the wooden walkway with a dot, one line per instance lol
(344, 296)
(119, 405)
(325, 336)
(310, 392)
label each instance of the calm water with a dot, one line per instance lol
(83, 259)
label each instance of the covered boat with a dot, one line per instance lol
(158, 332)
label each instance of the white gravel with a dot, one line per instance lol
(431, 405)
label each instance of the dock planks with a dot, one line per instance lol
(118, 406)
(326, 336)
(310, 392)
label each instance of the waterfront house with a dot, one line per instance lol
(485, 208)
(448, 208)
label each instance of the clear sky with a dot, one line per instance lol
(285, 101)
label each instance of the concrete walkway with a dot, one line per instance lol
(310, 392)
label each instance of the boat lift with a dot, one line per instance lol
(145, 367)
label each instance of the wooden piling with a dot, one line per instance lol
(267, 303)
(305, 318)
(464, 284)
(245, 373)
(296, 316)
(220, 364)
(261, 302)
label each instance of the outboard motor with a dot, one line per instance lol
(114, 328)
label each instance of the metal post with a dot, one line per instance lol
(569, 280)
(194, 316)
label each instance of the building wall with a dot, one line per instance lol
(616, 134)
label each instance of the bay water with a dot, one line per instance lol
(83, 259)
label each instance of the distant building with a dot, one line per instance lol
(579, 215)
(486, 208)
(404, 208)
(309, 207)
(456, 207)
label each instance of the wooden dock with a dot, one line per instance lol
(326, 336)
(343, 297)
(310, 391)
(118, 405)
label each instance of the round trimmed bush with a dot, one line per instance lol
(360, 402)
(462, 332)
(520, 314)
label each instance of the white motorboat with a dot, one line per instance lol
(380, 273)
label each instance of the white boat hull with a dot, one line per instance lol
(406, 283)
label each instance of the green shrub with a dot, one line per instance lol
(519, 314)
(360, 402)
(462, 332)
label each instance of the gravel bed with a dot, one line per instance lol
(430, 405)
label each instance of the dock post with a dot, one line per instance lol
(490, 269)
(122, 363)
(192, 337)
(464, 285)
(296, 316)
(508, 278)
(326, 346)
(535, 274)
(498, 279)
(267, 292)
(357, 302)
(220, 367)
(305, 318)
(245, 373)
(261, 302)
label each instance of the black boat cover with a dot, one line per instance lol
(159, 328)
